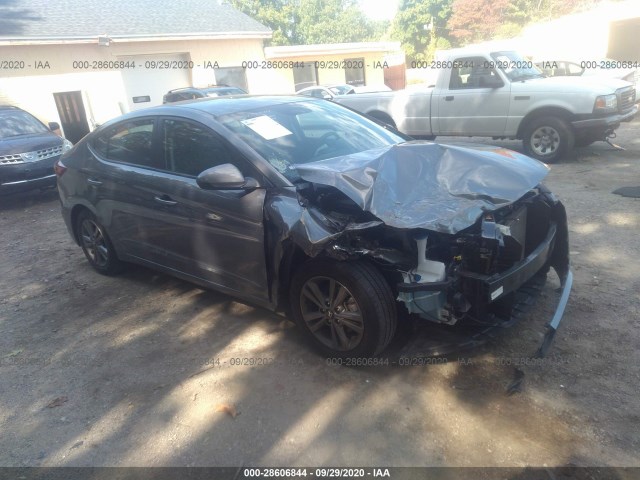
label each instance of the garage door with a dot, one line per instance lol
(145, 85)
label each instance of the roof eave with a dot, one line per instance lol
(94, 39)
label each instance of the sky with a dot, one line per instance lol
(379, 9)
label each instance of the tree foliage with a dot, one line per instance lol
(304, 22)
(478, 20)
(420, 27)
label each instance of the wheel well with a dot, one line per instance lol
(544, 112)
(293, 258)
(383, 117)
(75, 213)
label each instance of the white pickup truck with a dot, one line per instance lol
(502, 95)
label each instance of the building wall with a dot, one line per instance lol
(330, 68)
(582, 36)
(107, 90)
(50, 68)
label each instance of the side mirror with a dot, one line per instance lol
(490, 81)
(54, 126)
(225, 177)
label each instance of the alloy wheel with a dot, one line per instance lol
(94, 243)
(331, 313)
(545, 140)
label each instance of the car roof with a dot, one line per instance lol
(231, 104)
(216, 106)
(186, 89)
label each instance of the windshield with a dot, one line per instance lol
(515, 66)
(14, 123)
(219, 92)
(341, 89)
(295, 133)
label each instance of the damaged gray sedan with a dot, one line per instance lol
(306, 207)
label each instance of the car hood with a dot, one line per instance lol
(28, 143)
(437, 187)
(599, 85)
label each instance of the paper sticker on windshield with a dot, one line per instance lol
(266, 127)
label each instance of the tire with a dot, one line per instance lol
(547, 139)
(361, 299)
(96, 245)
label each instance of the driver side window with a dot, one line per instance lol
(468, 72)
(190, 148)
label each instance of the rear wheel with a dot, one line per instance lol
(346, 309)
(96, 245)
(547, 139)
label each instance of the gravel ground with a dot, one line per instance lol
(142, 369)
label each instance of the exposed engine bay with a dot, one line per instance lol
(455, 231)
(437, 274)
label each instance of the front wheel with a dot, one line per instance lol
(547, 139)
(346, 309)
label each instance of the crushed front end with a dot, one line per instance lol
(487, 264)
(459, 233)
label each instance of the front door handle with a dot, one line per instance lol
(165, 200)
(94, 182)
(448, 98)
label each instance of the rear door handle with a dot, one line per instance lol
(93, 181)
(448, 98)
(165, 200)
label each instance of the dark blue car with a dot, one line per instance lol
(28, 151)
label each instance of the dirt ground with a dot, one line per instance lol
(146, 370)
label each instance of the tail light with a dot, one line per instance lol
(59, 168)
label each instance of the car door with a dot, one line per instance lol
(467, 106)
(121, 186)
(215, 236)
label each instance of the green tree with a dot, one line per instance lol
(332, 21)
(303, 22)
(419, 25)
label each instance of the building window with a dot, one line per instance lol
(306, 76)
(232, 76)
(354, 71)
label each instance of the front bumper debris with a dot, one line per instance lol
(611, 121)
(425, 298)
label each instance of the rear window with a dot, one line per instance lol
(128, 142)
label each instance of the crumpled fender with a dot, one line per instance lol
(426, 185)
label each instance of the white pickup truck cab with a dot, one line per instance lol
(500, 94)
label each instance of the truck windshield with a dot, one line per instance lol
(515, 67)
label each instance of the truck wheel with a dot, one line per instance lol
(346, 309)
(547, 138)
